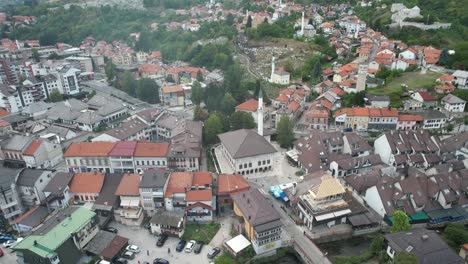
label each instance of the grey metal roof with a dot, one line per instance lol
(7, 177)
(89, 117)
(100, 242)
(36, 107)
(52, 222)
(452, 99)
(256, 208)
(59, 182)
(36, 217)
(432, 114)
(17, 142)
(245, 143)
(107, 197)
(425, 244)
(154, 179)
(15, 118)
(169, 218)
(29, 177)
(127, 128)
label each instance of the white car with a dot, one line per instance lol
(11, 243)
(189, 246)
(133, 248)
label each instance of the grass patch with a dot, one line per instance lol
(414, 80)
(201, 232)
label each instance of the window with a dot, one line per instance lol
(250, 164)
(259, 163)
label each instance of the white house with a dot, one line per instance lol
(407, 55)
(453, 103)
(42, 154)
(461, 79)
(57, 191)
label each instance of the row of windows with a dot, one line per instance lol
(249, 165)
(266, 241)
(158, 163)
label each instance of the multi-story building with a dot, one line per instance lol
(152, 185)
(173, 95)
(87, 156)
(409, 122)
(229, 184)
(13, 150)
(86, 186)
(10, 202)
(151, 156)
(42, 154)
(84, 64)
(30, 185)
(60, 239)
(129, 212)
(259, 220)
(57, 191)
(121, 158)
(433, 119)
(453, 103)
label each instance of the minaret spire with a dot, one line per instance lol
(260, 113)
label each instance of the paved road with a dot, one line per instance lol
(8, 256)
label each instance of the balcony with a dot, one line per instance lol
(131, 213)
(4, 206)
(198, 213)
(9, 215)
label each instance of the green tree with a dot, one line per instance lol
(200, 76)
(128, 83)
(197, 93)
(147, 90)
(55, 96)
(456, 235)
(450, 127)
(170, 79)
(35, 54)
(285, 132)
(233, 79)
(48, 38)
(92, 94)
(224, 259)
(212, 128)
(228, 104)
(353, 99)
(249, 22)
(241, 120)
(110, 70)
(400, 222)
(230, 19)
(199, 114)
(404, 257)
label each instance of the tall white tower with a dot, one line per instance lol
(272, 67)
(302, 25)
(361, 79)
(260, 113)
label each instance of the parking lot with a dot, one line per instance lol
(147, 242)
(8, 256)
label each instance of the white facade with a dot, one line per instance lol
(407, 55)
(150, 163)
(382, 147)
(372, 199)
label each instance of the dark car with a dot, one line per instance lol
(213, 253)
(180, 246)
(198, 247)
(5, 238)
(111, 229)
(160, 261)
(348, 129)
(121, 261)
(161, 240)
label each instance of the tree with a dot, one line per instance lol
(212, 128)
(48, 38)
(199, 114)
(450, 127)
(197, 93)
(35, 54)
(111, 71)
(400, 222)
(230, 19)
(249, 22)
(128, 83)
(285, 132)
(92, 94)
(170, 79)
(228, 104)
(456, 235)
(241, 120)
(353, 99)
(147, 90)
(55, 96)
(200, 76)
(404, 257)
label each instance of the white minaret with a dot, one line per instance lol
(272, 67)
(302, 24)
(260, 113)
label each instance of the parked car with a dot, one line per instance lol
(180, 246)
(111, 229)
(133, 248)
(5, 238)
(213, 253)
(198, 247)
(160, 261)
(12, 243)
(161, 240)
(190, 245)
(129, 255)
(121, 261)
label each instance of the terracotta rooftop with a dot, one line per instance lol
(4, 112)
(231, 183)
(32, 148)
(89, 149)
(151, 149)
(199, 195)
(427, 96)
(249, 105)
(177, 183)
(87, 182)
(172, 89)
(410, 118)
(129, 185)
(123, 148)
(202, 178)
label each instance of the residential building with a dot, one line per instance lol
(258, 219)
(84, 64)
(60, 239)
(354, 118)
(42, 154)
(121, 158)
(377, 101)
(30, 220)
(152, 185)
(433, 119)
(13, 149)
(132, 128)
(57, 191)
(426, 245)
(409, 122)
(10, 201)
(30, 185)
(171, 223)
(172, 95)
(129, 212)
(151, 156)
(87, 156)
(353, 165)
(355, 145)
(229, 184)
(107, 245)
(383, 118)
(425, 98)
(107, 201)
(317, 118)
(246, 152)
(453, 103)
(86, 186)
(460, 79)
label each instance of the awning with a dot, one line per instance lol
(238, 243)
(324, 217)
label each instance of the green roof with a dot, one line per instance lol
(50, 241)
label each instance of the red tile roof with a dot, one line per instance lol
(231, 183)
(427, 96)
(446, 78)
(286, 92)
(337, 91)
(32, 148)
(327, 71)
(199, 195)
(198, 204)
(89, 149)
(123, 148)
(151, 149)
(4, 112)
(326, 104)
(293, 106)
(172, 89)
(249, 105)
(282, 98)
(318, 113)
(177, 183)
(410, 118)
(87, 182)
(202, 178)
(129, 185)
